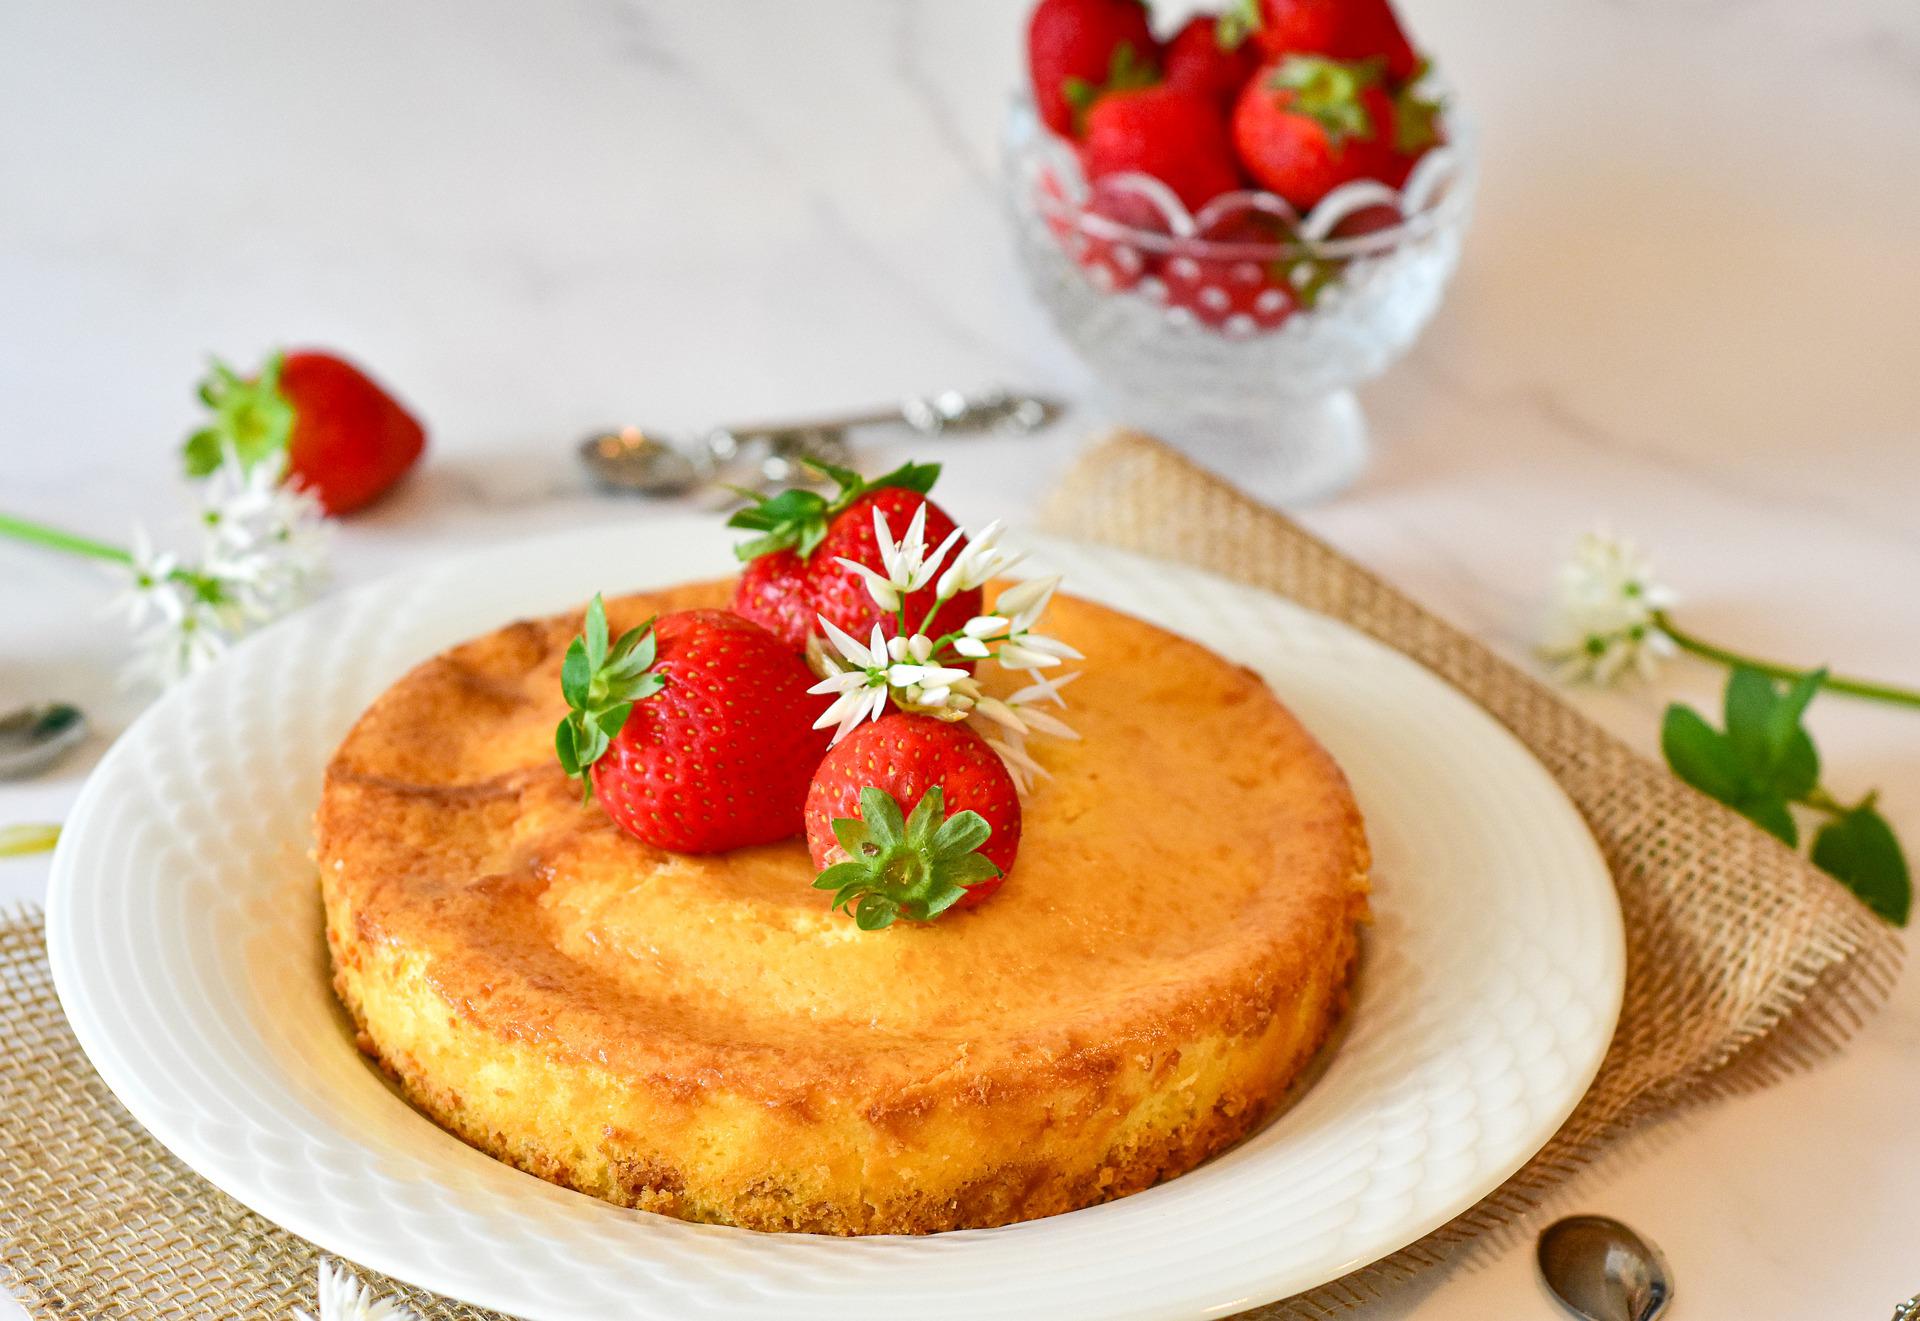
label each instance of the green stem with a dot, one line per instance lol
(42, 535)
(16, 841)
(1838, 683)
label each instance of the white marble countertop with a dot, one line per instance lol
(1687, 308)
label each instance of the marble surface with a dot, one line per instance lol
(1687, 308)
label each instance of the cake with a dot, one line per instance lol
(701, 1036)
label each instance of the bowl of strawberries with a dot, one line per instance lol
(1238, 224)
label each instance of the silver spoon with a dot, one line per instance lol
(34, 737)
(650, 463)
(1601, 1270)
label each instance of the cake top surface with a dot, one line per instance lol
(1194, 847)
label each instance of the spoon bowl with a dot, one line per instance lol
(1601, 1270)
(33, 738)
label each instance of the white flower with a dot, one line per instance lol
(1603, 620)
(859, 685)
(865, 677)
(906, 566)
(1006, 724)
(343, 1298)
(263, 551)
(266, 541)
(979, 563)
(1023, 603)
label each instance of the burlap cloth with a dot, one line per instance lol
(1743, 964)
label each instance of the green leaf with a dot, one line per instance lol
(960, 834)
(839, 875)
(253, 418)
(202, 452)
(1772, 815)
(916, 868)
(882, 814)
(566, 747)
(928, 815)
(1776, 753)
(1783, 722)
(1749, 705)
(596, 635)
(1797, 771)
(613, 719)
(1238, 21)
(875, 913)
(576, 674)
(1701, 755)
(600, 686)
(1859, 848)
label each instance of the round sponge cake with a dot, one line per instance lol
(700, 1036)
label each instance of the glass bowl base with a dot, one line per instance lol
(1290, 453)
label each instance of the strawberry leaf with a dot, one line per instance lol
(1236, 23)
(252, 418)
(1328, 91)
(1127, 71)
(601, 687)
(917, 866)
(797, 519)
(1416, 114)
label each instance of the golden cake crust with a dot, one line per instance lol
(701, 1036)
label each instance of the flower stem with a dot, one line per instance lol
(16, 841)
(1838, 683)
(42, 535)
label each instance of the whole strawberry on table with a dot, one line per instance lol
(329, 426)
(1290, 98)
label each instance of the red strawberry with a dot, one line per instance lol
(1106, 247)
(1178, 137)
(909, 816)
(1343, 29)
(1077, 48)
(1416, 127)
(694, 730)
(1305, 125)
(339, 434)
(1240, 291)
(805, 535)
(1212, 56)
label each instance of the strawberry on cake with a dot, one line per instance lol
(824, 911)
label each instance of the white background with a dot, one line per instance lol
(1687, 308)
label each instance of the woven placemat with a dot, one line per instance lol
(1744, 963)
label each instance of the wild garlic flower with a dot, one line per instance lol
(262, 550)
(265, 538)
(929, 675)
(906, 564)
(1605, 618)
(979, 563)
(344, 1298)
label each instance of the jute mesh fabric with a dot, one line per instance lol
(1743, 963)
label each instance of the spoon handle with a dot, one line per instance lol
(949, 411)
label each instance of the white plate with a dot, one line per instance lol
(184, 929)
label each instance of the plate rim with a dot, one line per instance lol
(287, 1213)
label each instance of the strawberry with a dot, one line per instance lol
(1106, 250)
(952, 849)
(1240, 291)
(1212, 56)
(1178, 137)
(694, 730)
(1343, 29)
(793, 571)
(1306, 124)
(1078, 48)
(338, 434)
